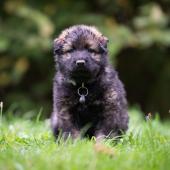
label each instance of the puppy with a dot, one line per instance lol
(88, 97)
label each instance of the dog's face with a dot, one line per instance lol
(81, 52)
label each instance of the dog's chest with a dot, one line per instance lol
(89, 112)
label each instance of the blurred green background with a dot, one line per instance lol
(139, 48)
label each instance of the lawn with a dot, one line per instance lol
(29, 145)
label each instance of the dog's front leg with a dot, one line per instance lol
(111, 126)
(62, 125)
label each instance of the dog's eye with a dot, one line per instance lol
(69, 51)
(57, 50)
(92, 50)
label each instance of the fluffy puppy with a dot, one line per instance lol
(88, 96)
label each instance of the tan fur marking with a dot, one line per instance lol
(67, 46)
(66, 56)
(111, 95)
(96, 57)
(92, 29)
(107, 70)
(92, 44)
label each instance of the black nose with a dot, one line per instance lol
(80, 62)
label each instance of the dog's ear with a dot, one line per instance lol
(103, 43)
(57, 46)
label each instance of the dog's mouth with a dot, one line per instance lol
(81, 75)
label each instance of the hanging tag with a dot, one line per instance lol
(82, 99)
(82, 92)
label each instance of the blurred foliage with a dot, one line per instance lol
(139, 37)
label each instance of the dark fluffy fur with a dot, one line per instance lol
(104, 112)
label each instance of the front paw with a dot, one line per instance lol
(71, 135)
(99, 137)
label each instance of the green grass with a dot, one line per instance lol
(29, 145)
